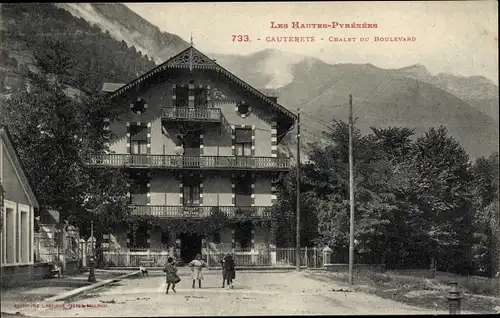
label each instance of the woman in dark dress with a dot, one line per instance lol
(228, 271)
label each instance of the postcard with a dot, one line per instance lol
(249, 158)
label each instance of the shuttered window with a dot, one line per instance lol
(200, 97)
(243, 191)
(182, 96)
(243, 142)
(138, 139)
(191, 190)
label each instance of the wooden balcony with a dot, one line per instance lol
(197, 212)
(192, 114)
(190, 162)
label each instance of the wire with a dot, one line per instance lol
(357, 110)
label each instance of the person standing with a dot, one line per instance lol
(171, 272)
(229, 272)
(196, 266)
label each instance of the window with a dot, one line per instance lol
(10, 242)
(139, 191)
(24, 237)
(243, 108)
(138, 139)
(243, 191)
(139, 105)
(182, 96)
(243, 142)
(191, 144)
(191, 191)
(200, 97)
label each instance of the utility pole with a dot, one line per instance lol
(351, 194)
(297, 245)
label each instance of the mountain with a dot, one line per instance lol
(408, 96)
(478, 91)
(43, 38)
(125, 25)
(411, 96)
(381, 98)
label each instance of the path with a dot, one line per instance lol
(255, 293)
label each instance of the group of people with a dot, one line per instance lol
(197, 265)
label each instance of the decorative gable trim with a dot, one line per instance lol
(191, 59)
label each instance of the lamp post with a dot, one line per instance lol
(454, 299)
(92, 257)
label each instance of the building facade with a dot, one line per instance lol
(17, 208)
(197, 141)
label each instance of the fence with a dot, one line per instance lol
(127, 257)
(269, 257)
(51, 247)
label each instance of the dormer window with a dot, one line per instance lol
(139, 106)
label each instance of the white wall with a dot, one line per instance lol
(17, 234)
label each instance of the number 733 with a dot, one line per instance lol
(241, 38)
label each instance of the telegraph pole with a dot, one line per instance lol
(351, 194)
(297, 245)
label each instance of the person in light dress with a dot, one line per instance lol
(197, 266)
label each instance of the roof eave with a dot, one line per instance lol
(4, 133)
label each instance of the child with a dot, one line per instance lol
(196, 269)
(171, 271)
(228, 270)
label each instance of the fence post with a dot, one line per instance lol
(204, 250)
(306, 258)
(315, 258)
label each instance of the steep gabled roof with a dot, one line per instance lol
(191, 58)
(18, 167)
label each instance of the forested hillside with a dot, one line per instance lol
(46, 52)
(56, 42)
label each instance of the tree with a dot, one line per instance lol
(373, 198)
(486, 215)
(283, 224)
(55, 57)
(54, 135)
(441, 199)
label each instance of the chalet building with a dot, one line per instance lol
(196, 139)
(17, 207)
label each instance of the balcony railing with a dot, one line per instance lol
(190, 162)
(179, 211)
(192, 114)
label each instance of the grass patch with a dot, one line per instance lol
(417, 291)
(479, 286)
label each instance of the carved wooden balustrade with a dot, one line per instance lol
(192, 114)
(190, 162)
(179, 211)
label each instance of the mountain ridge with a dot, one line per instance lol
(410, 96)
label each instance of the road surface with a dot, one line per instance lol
(254, 293)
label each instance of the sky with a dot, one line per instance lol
(458, 37)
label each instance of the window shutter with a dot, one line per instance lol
(243, 135)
